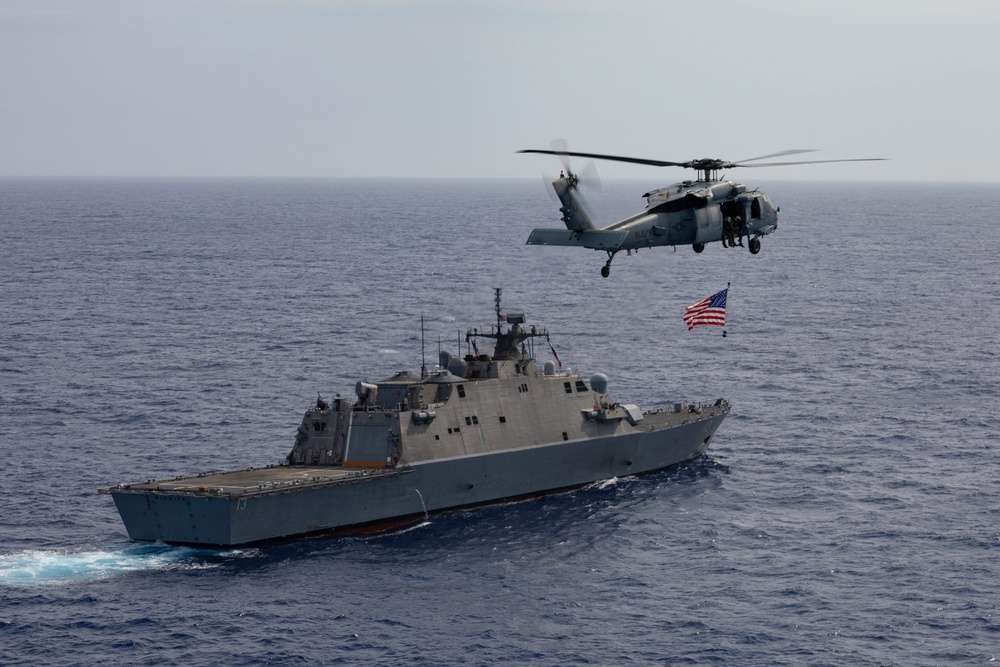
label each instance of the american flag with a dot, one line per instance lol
(710, 311)
(554, 354)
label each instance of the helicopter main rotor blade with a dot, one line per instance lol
(781, 154)
(785, 164)
(704, 164)
(615, 158)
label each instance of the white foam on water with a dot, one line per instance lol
(57, 566)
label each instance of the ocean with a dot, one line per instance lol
(846, 513)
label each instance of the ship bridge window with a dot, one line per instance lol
(503, 420)
(580, 386)
(569, 387)
(319, 427)
(469, 421)
(461, 391)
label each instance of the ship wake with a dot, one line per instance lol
(53, 567)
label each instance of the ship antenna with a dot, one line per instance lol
(498, 290)
(423, 363)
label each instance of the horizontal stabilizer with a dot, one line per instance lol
(596, 239)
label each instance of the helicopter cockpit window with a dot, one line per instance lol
(755, 209)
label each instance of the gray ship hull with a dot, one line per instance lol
(282, 502)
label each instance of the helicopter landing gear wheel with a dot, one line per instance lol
(754, 246)
(606, 269)
(697, 247)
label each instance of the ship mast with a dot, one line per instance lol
(423, 361)
(507, 342)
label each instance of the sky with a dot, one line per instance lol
(452, 88)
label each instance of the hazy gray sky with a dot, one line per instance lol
(454, 87)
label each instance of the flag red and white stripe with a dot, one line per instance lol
(708, 311)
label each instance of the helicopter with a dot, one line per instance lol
(691, 213)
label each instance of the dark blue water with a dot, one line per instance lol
(847, 514)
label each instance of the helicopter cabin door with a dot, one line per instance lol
(709, 225)
(732, 210)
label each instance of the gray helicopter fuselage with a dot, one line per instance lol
(693, 212)
(687, 213)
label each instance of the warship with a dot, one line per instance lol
(477, 429)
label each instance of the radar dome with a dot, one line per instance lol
(599, 383)
(550, 368)
(457, 367)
